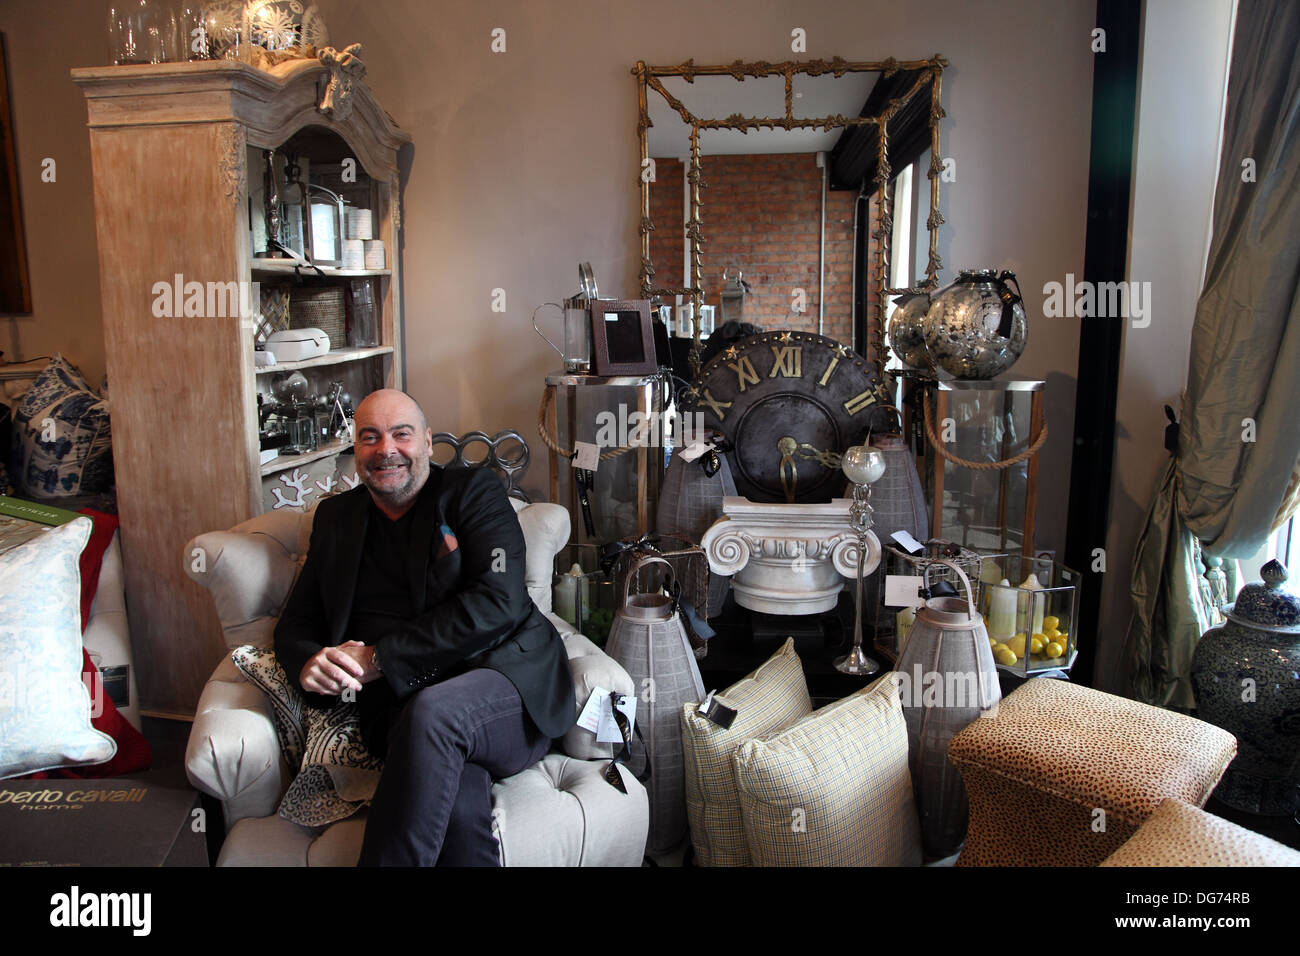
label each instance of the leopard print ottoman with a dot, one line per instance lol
(1178, 834)
(1063, 775)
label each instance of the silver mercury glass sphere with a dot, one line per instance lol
(968, 333)
(906, 335)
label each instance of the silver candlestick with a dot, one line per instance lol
(863, 465)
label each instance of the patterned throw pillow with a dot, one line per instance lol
(62, 446)
(771, 698)
(337, 774)
(834, 788)
(45, 709)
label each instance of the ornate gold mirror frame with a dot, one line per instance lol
(929, 77)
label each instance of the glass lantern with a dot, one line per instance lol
(1029, 607)
(986, 510)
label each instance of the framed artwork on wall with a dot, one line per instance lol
(15, 286)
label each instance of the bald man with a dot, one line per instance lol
(413, 596)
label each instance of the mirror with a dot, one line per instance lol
(769, 192)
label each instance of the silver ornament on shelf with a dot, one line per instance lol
(906, 332)
(977, 326)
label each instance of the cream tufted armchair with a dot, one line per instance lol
(559, 812)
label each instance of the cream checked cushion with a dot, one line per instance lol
(834, 788)
(771, 698)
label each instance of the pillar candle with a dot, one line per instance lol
(1002, 610)
(1031, 584)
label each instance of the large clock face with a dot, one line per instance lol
(791, 403)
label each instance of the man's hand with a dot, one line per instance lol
(331, 670)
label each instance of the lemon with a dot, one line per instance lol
(1037, 643)
(1051, 633)
(1051, 622)
(1017, 645)
(1005, 656)
(1054, 649)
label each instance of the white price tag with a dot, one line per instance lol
(588, 456)
(589, 719)
(694, 450)
(598, 716)
(608, 732)
(903, 590)
(907, 542)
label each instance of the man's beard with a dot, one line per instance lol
(398, 493)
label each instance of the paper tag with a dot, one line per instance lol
(608, 732)
(694, 450)
(589, 719)
(598, 716)
(903, 590)
(907, 542)
(588, 456)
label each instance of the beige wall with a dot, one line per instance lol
(1180, 101)
(45, 40)
(525, 163)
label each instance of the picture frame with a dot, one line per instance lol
(15, 284)
(622, 337)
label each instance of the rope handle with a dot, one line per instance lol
(548, 398)
(933, 439)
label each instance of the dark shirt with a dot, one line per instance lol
(381, 603)
(383, 597)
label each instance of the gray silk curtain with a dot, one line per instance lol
(1224, 488)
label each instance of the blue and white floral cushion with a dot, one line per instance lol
(62, 446)
(45, 708)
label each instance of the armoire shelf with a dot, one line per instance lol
(177, 151)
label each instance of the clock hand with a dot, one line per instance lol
(827, 459)
(787, 447)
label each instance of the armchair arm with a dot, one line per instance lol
(248, 575)
(591, 667)
(233, 752)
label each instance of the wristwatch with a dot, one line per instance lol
(374, 658)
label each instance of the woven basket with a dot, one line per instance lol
(320, 308)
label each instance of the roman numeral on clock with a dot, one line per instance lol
(826, 376)
(744, 370)
(716, 405)
(787, 361)
(859, 402)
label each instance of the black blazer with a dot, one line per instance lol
(476, 611)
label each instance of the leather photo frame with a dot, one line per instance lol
(622, 337)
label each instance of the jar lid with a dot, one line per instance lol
(1267, 605)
